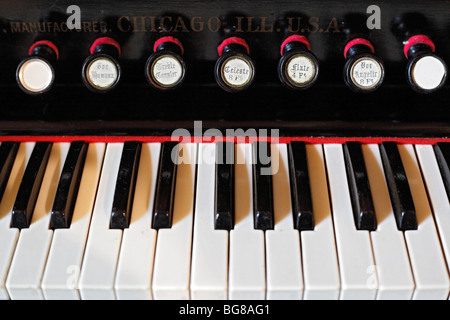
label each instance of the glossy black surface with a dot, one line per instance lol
(358, 183)
(198, 24)
(23, 208)
(125, 185)
(302, 208)
(224, 186)
(442, 151)
(165, 186)
(399, 191)
(263, 218)
(69, 183)
(8, 151)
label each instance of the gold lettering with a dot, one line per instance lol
(25, 27)
(264, 28)
(64, 26)
(314, 22)
(291, 24)
(33, 26)
(239, 24)
(103, 26)
(87, 26)
(217, 24)
(94, 26)
(141, 24)
(249, 25)
(197, 24)
(180, 24)
(163, 23)
(333, 24)
(123, 23)
(56, 27)
(153, 24)
(15, 27)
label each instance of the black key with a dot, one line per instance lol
(224, 186)
(69, 182)
(263, 218)
(29, 187)
(442, 151)
(300, 189)
(397, 181)
(8, 152)
(358, 184)
(165, 187)
(125, 185)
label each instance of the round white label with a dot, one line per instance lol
(35, 75)
(366, 73)
(167, 70)
(236, 72)
(428, 72)
(300, 69)
(102, 73)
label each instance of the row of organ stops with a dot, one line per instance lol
(298, 67)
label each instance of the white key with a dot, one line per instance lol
(209, 275)
(320, 261)
(283, 257)
(437, 194)
(103, 244)
(396, 281)
(134, 271)
(30, 257)
(425, 252)
(357, 266)
(247, 258)
(171, 271)
(60, 281)
(9, 236)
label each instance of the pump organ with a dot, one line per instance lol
(100, 201)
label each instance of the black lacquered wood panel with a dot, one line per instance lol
(200, 25)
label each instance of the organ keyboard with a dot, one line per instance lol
(224, 150)
(191, 259)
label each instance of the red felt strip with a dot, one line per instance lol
(358, 41)
(418, 39)
(297, 38)
(168, 39)
(312, 140)
(233, 40)
(106, 40)
(48, 44)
